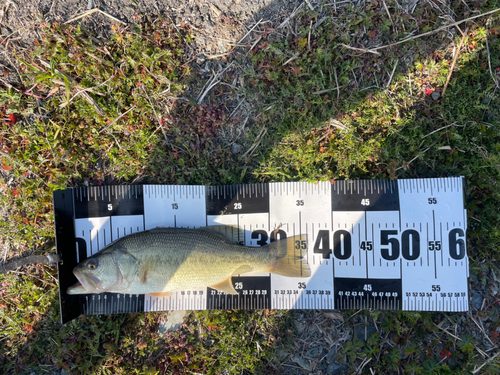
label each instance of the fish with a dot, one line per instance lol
(161, 261)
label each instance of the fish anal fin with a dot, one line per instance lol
(242, 269)
(162, 294)
(226, 286)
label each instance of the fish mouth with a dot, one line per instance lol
(86, 284)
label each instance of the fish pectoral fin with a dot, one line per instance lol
(226, 286)
(143, 271)
(162, 294)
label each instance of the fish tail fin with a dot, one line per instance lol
(288, 257)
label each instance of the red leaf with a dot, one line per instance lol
(444, 354)
(6, 167)
(14, 191)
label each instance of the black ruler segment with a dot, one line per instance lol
(238, 199)
(110, 303)
(365, 195)
(253, 293)
(381, 294)
(65, 240)
(100, 201)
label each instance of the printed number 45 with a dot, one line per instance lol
(365, 202)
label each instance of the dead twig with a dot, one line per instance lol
(154, 111)
(290, 16)
(116, 119)
(249, 31)
(392, 74)
(435, 31)
(489, 65)
(62, 105)
(326, 90)
(95, 10)
(337, 82)
(416, 157)
(258, 139)
(86, 96)
(3, 11)
(493, 357)
(481, 328)
(435, 131)
(254, 44)
(387, 11)
(361, 49)
(219, 55)
(454, 61)
(291, 59)
(212, 83)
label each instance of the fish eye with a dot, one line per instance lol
(92, 264)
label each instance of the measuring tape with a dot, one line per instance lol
(371, 244)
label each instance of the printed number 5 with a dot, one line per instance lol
(110, 207)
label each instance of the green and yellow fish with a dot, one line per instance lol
(164, 260)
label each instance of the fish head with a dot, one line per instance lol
(102, 272)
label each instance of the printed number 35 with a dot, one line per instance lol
(300, 245)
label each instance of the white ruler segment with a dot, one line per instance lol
(370, 244)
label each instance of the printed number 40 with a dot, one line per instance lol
(365, 202)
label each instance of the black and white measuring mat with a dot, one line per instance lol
(374, 244)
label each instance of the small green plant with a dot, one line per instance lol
(352, 349)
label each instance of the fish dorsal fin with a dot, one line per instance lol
(226, 286)
(231, 233)
(162, 294)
